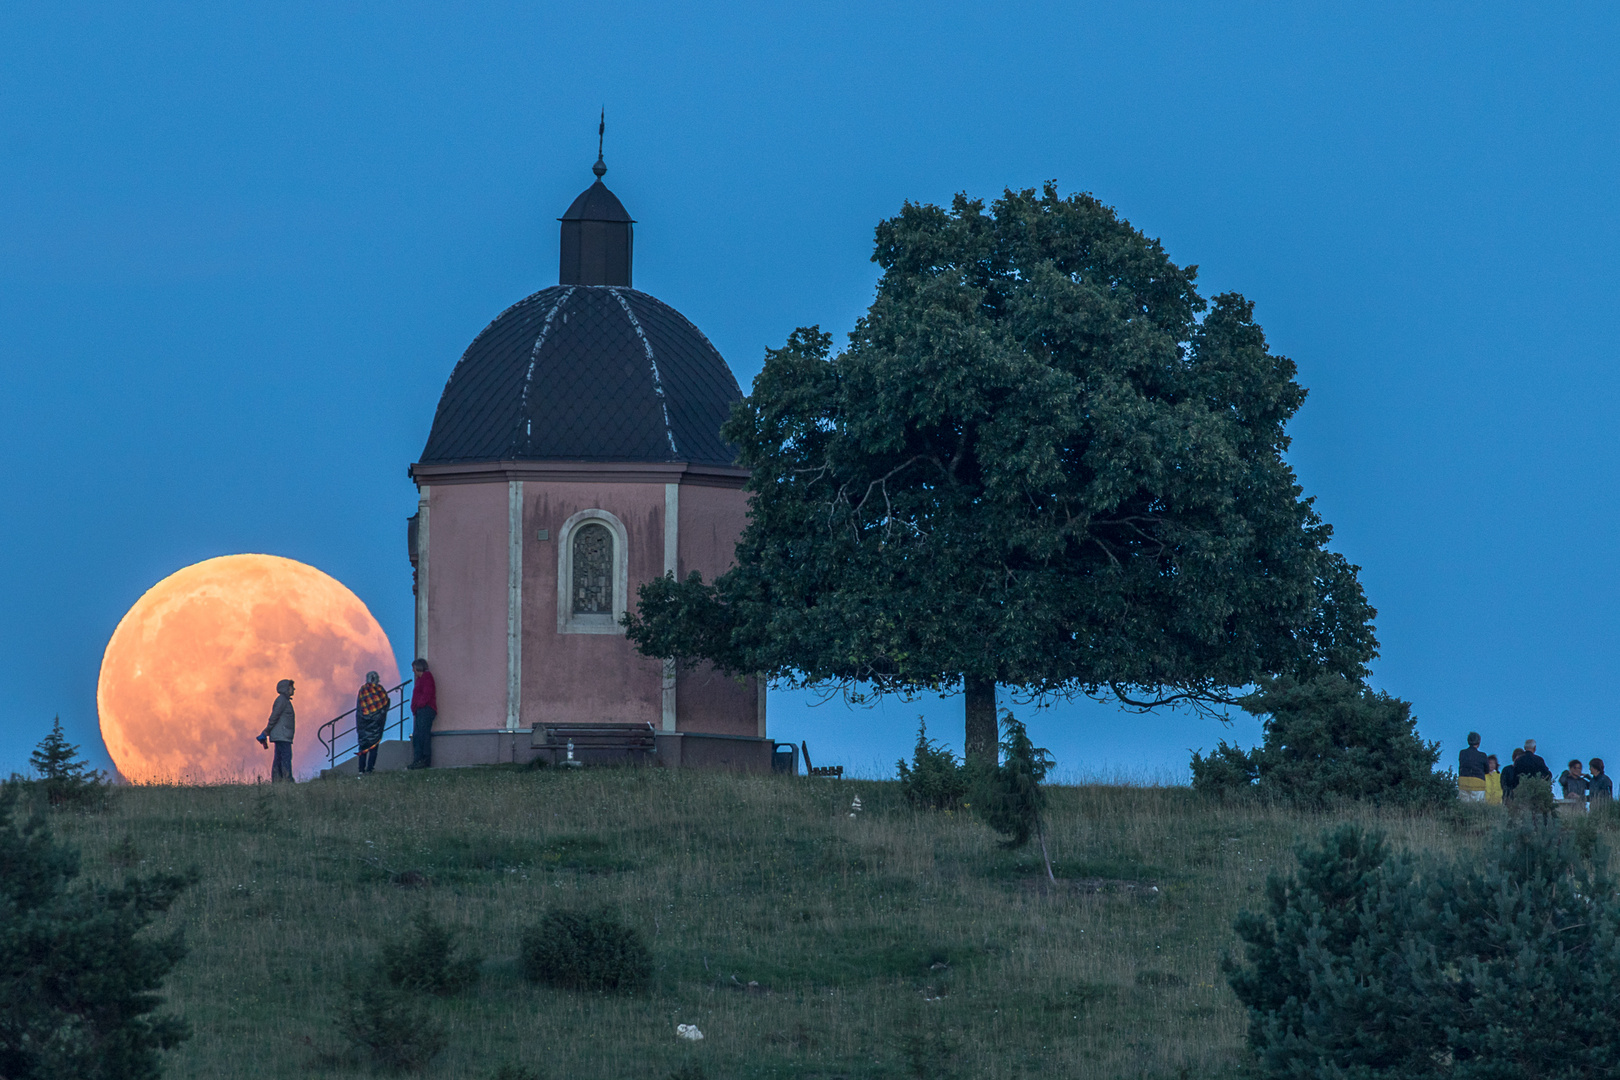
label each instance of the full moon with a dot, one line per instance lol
(190, 674)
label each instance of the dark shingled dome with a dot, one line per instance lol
(586, 373)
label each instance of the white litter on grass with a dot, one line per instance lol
(688, 1031)
(855, 807)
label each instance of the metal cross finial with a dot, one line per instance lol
(601, 130)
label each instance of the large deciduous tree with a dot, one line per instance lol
(1044, 461)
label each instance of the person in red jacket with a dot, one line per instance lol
(424, 707)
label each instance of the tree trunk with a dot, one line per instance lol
(980, 744)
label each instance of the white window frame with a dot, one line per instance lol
(567, 621)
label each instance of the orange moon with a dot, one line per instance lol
(190, 674)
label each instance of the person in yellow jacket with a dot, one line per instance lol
(1493, 782)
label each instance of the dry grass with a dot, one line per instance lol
(889, 944)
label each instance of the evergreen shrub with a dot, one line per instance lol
(1501, 965)
(428, 962)
(1008, 796)
(65, 779)
(1329, 740)
(390, 1026)
(1535, 794)
(585, 950)
(79, 974)
(935, 779)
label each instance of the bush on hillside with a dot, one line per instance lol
(390, 1026)
(1228, 770)
(585, 950)
(1535, 794)
(1328, 740)
(935, 779)
(427, 962)
(509, 1071)
(1501, 965)
(65, 779)
(1008, 797)
(79, 975)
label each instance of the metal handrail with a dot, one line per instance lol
(329, 736)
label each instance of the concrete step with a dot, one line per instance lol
(392, 756)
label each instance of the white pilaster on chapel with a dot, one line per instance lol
(514, 603)
(422, 571)
(672, 541)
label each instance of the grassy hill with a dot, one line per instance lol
(892, 943)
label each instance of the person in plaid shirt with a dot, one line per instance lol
(371, 712)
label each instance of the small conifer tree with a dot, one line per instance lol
(427, 960)
(1009, 798)
(78, 974)
(934, 779)
(66, 778)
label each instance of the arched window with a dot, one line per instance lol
(593, 570)
(591, 567)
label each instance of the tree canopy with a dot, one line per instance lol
(1043, 460)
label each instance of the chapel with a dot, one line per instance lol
(575, 455)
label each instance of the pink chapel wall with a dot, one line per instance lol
(467, 604)
(711, 521)
(587, 678)
(596, 678)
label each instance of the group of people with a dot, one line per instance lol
(371, 715)
(1482, 778)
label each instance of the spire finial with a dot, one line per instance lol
(600, 167)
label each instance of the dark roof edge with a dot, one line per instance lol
(611, 472)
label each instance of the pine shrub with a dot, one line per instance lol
(935, 779)
(509, 1071)
(1535, 794)
(1009, 797)
(428, 963)
(585, 950)
(390, 1026)
(79, 974)
(1330, 740)
(1501, 965)
(65, 778)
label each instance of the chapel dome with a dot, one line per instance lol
(586, 373)
(590, 369)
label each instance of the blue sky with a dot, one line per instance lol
(242, 249)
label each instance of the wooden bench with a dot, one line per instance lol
(834, 771)
(595, 744)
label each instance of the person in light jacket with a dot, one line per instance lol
(1493, 781)
(279, 733)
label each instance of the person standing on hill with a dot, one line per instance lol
(1510, 775)
(1471, 770)
(1574, 784)
(424, 708)
(1493, 782)
(279, 732)
(370, 717)
(1530, 763)
(1599, 786)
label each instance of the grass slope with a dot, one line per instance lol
(888, 944)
